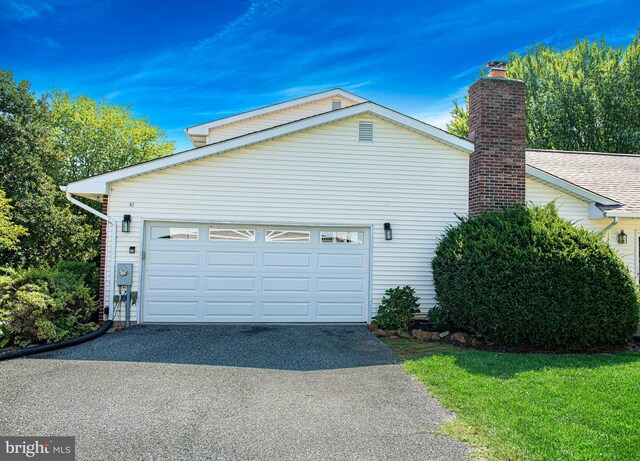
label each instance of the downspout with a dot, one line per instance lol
(114, 227)
(609, 226)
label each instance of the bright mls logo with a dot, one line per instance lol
(37, 448)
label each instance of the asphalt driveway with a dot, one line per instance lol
(227, 393)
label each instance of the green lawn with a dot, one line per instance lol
(531, 406)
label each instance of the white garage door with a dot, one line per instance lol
(245, 273)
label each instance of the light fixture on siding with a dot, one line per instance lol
(388, 233)
(622, 238)
(126, 223)
(132, 250)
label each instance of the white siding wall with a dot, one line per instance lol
(576, 210)
(263, 122)
(323, 175)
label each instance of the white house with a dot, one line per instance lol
(278, 214)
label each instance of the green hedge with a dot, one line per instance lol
(526, 277)
(397, 309)
(41, 306)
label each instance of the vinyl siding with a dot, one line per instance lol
(322, 175)
(272, 119)
(577, 210)
(569, 207)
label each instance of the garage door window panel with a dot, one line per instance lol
(292, 236)
(356, 238)
(174, 233)
(232, 235)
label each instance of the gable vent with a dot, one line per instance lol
(335, 105)
(365, 131)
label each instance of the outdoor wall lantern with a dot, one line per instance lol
(132, 250)
(388, 233)
(622, 238)
(126, 223)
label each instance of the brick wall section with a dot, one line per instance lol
(497, 125)
(103, 255)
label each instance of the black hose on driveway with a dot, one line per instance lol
(15, 353)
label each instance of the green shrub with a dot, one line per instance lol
(526, 277)
(41, 306)
(397, 308)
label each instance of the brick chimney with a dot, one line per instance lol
(497, 127)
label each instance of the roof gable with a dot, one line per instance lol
(198, 133)
(98, 185)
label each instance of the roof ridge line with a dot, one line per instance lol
(571, 152)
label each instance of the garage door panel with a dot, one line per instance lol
(272, 259)
(340, 261)
(173, 309)
(231, 283)
(231, 259)
(286, 284)
(254, 280)
(230, 309)
(171, 283)
(340, 309)
(340, 285)
(173, 258)
(284, 309)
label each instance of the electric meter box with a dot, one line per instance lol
(124, 274)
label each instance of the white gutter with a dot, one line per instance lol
(114, 224)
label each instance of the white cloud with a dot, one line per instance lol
(258, 11)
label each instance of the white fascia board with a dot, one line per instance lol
(621, 214)
(100, 184)
(573, 189)
(203, 129)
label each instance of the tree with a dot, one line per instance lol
(95, 137)
(10, 232)
(26, 146)
(50, 141)
(585, 98)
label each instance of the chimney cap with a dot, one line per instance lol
(496, 64)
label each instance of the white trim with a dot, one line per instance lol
(99, 184)
(370, 298)
(203, 129)
(621, 214)
(141, 261)
(636, 265)
(574, 189)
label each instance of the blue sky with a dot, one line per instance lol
(184, 63)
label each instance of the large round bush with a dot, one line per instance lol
(526, 277)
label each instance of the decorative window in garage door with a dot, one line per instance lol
(287, 236)
(174, 233)
(230, 235)
(342, 237)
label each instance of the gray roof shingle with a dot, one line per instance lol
(616, 176)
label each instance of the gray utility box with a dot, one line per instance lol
(124, 274)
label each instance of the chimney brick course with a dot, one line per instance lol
(497, 126)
